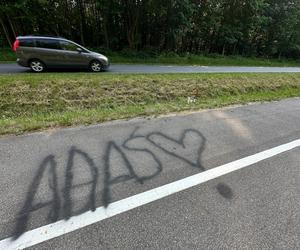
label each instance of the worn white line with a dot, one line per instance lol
(62, 227)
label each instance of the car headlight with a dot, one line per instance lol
(105, 58)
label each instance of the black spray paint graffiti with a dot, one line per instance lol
(49, 164)
(91, 204)
(181, 142)
(134, 145)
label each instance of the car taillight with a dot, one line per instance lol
(16, 45)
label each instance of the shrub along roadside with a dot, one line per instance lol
(148, 57)
(38, 101)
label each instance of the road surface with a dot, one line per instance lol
(127, 68)
(60, 189)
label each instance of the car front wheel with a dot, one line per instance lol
(95, 66)
(37, 65)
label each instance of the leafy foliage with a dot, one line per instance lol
(269, 28)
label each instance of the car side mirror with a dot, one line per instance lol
(79, 50)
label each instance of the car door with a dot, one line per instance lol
(74, 55)
(48, 50)
(27, 49)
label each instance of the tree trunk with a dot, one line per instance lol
(82, 21)
(106, 33)
(224, 48)
(234, 48)
(11, 26)
(6, 33)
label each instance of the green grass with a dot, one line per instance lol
(7, 55)
(207, 60)
(144, 57)
(31, 102)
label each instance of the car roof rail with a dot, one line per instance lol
(46, 36)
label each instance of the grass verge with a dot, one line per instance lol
(31, 102)
(203, 60)
(7, 55)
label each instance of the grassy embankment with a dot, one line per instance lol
(7, 55)
(32, 102)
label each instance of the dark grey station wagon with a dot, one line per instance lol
(39, 53)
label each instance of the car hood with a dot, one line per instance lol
(99, 55)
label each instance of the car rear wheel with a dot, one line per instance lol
(37, 65)
(96, 66)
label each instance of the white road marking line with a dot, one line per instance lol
(62, 227)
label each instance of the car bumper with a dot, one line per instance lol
(105, 65)
(22, 63)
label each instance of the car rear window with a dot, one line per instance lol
(26, 42)
(48, 43)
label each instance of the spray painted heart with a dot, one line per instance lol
(182, 148)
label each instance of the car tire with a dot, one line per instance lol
(37, 66)
(95, 66)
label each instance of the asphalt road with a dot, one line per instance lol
(51, 176)
(127, 68)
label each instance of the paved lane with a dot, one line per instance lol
(196, 69)
(55, 175)
(126, 68)
(261, 211)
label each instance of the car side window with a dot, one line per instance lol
(68, 46)
(47, 43)
(27, 42)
